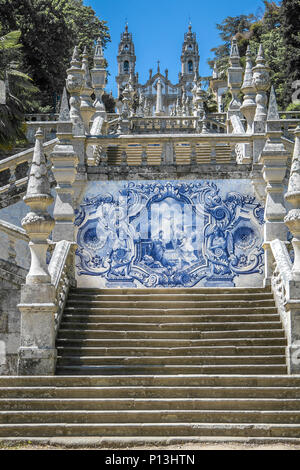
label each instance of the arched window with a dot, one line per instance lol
(126, 66)
(126, 47)
(190, 66)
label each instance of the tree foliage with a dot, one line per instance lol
(49, 31)
(289, 17)
(277, 29)
(19, 91)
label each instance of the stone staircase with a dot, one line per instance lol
(171, 331)
(138, 365)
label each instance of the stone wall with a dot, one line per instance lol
(11, 278)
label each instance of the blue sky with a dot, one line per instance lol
(158, 27)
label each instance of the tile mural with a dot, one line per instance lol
(169, 234)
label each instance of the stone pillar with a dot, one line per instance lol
(159, 106)
(64, 161)
(261, 81)
(248, 107)
(274, 160)
(292, 220)
(98, 73)
(86, 105)
(292, 196)
(198, 100)
(235, 77)
(123, 127)
(37, 353)
(74, 85)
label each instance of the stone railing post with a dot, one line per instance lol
(37, 353)
(292, 220)
(64, 161)
(235, 77)
(74, 84)
(261, 82)
(86, 105)
(248, 107)
(274, 160)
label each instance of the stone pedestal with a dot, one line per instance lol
(37, 353)
(292, 307)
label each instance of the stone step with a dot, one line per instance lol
(172, 351)
(171, 290)
(196, 380)
(152, 429)
(169, 326)
(171, 369)
(170, 303)
(73, 333)
(234, 318)
(169, 343)
(150, 416)
(170, 296)
(169, 360)
(91, 311)
(153, 392)
(127, 404)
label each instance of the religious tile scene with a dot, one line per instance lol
(150, 257)
(169, 234)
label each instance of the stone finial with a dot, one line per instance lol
(38, 223)
(86, 105)
(159, 102)
(248, 107)
(74, 84)
(261, 81)
(234, 50)
(64, 112)
(87, 80)
(235, 76)
(215, 71)
(248, 75)
(98, 74)
(198, 100)
(38, 183)
(292, 219)
(273, 114)
(75, 62)
(99, 59)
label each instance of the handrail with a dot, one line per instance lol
(24, 156)
(61, 269)
(282, 275)
(13, 231)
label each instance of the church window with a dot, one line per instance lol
(190, 66)
(126, 66)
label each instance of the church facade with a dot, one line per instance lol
(158, 89)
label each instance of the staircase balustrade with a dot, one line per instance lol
(61, 269)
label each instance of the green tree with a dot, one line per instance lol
(267, 30)
(49, 31)
(289, 16)
(19, 91)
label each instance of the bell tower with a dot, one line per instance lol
(126, 59)
(189, 57)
